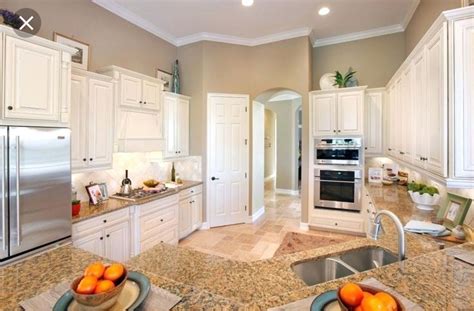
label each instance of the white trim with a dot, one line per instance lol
(411, 11)
(304, 226)
(359, 35)
(205, 226)
(287, 191)
(253, 218)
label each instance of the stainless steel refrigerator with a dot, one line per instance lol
(35, 189)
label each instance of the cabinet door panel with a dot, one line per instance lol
(32, 75)
(100, 123)
(196, 206)
(78, 119)
(419, 102)
(131, 91)
(92, 242)
(170, 106)
(117, 242)
(151, 95)
(324, 114)
(373, 122)
(406, 145)
(183, 127)
(185, 218)
(350, 113)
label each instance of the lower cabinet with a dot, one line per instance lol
(190, 211)
(107, 236)
(338, 221)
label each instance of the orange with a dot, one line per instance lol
(95, 269)
(114, 272)
(358, 308)
(387, 300)
(351, 294)
(104, 286)
(87, 285)
(367, 294)
(372, 303)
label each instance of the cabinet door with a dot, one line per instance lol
(78, 119)
(185, 218)
(436, 94)
(395, 119)
(350, 113)
(32, 80)
(389, 112)
(170, 106)
(464, 98)
(92, 242)
(100, 122)
(130, 91)
(406, 115)
(373, 122)
(182, 127)
(196, 214)
(151, 95)
(324, 114)
(419, 116)
(117, 241)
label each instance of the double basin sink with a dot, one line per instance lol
(334, 267)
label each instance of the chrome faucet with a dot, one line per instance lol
(375, 229)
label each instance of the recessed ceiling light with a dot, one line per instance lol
(247, 2)
(324, 11)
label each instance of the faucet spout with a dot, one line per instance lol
(375, 231)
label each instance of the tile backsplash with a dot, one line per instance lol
(141, 166)
(414, 175)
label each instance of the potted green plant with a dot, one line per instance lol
(346, 80)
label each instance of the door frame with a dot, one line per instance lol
(208, 151)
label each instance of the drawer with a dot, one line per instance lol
(169, 236)
(100, 222)
(190, 191)
(354, 225)
(153, 223)
(154, 206)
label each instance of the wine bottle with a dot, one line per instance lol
(173, 173)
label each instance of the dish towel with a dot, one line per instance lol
(424, 227)
(158, 299)
(305, 304)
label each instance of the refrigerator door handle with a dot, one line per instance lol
(18, 230)
(4, 214)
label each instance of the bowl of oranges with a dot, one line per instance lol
(100, 285)
(360, 297)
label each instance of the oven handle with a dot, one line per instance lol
(356, 181)
(338, 148)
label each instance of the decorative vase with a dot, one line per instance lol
(176, 84)
(76, 208)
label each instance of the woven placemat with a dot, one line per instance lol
(158, 299)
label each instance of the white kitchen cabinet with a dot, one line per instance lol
(190, 211)
(196, 211)
(419, 114)
(176, 122)
(338, 112)
(185, 218)
(36, 81)
(92, 122)
(151, 95)
(139, 93)
(340, 221)
(107, 235)
(373, 127)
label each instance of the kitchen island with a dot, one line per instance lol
(431, 278)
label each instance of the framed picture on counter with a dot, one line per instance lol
(95, 194)
(104, 190)
(455, 211)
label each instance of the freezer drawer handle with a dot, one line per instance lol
(18, 231)
(4, 215)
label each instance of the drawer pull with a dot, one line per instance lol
(105, 220)
(101, 238)
(161, 220)
(108, 235)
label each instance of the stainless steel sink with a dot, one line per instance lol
(320, 271)
(368, 258)
(330, 268)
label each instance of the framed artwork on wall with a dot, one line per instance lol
(166, 77)
(81, 58)
(467, 2)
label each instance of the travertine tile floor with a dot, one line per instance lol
(260, 240)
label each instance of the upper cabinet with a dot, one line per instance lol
(36, 80)
(176, 120)
(373, 121)
(338, 112)
(92, 121)
(431, 102)
(138, 111)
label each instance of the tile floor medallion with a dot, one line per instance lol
(259, 240)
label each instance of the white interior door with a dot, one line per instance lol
(227, 159)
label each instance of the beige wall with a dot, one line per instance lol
(113, 41)
(426, 13)
(270, 143)
(375, 59)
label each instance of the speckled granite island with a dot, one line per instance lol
(431, 278)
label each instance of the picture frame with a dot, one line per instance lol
(375, 175)
(467, 2)
(81, 58)
(455, 210)
(95, 194)
(166, 77)
(104, 190)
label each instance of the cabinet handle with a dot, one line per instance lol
(91, 159)
(144, 103)
(365, 148)
(101, 238)
(140, 102)
(334, 131)
(84, 159)
(161, 220)
(338, 131)
(10, 108)
(108, 235)
(161, 241)
(335, 223)
(402, 153)
(105, 220)
(389, 149)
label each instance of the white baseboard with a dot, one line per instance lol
(205, 226)
(287, 191)
(257, 215)
(304, 226)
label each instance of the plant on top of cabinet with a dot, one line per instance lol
(348, 80)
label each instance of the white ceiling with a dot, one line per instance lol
(185, 21)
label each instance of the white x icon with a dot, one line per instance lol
(26, 23)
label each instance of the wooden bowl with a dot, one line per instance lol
(151, 183)
(371, 290)
(102, 301)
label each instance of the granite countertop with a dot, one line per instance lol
(429, 277)
(89, 211)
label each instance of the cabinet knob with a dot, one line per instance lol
(365, 148)
(140, 102)
(161, 220)
(108, 235)
(144, 103)
(91, 159)
(101, 238)
(335, 223)
(84, 159)
(334, 131)
(105, 220)
(338, 131)
(10, 108)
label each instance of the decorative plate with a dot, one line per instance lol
(327, 82)
(135, 291)
(326, 302)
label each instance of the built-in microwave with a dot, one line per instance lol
(338, 151)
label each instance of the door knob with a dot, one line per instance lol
(214, 178)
